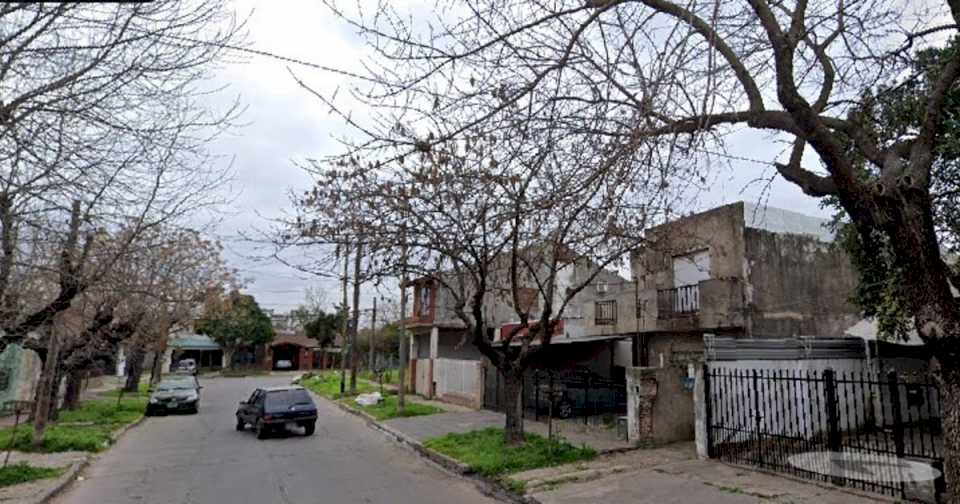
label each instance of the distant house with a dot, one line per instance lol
(189, 345)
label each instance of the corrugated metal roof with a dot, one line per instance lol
(732, 349)
(192, 341)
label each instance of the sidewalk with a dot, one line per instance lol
(40, 490)
(671, 474)
(422, 428)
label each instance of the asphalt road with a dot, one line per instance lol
(202, 459)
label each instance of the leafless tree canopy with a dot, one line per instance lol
(103, 130)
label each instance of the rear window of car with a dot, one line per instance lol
(283, 399)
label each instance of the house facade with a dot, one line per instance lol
(739, 271)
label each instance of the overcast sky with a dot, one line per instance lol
(284, 124)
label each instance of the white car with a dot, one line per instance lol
(284, 364)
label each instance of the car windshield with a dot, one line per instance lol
(171, 386)
(281, 399)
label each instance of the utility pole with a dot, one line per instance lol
(373, 330)
(402, 390)
(344, 343)
(355, 323)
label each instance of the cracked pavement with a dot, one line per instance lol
(202, 459)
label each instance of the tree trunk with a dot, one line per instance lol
(55, 395)
(950, 421)
(44, 389)
(71, 396)
(513, 404)
(134, 369)
(228, 357)
(156, 370)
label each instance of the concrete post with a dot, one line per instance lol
(641, 394)
(700, 414)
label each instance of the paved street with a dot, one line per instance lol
(202, 459)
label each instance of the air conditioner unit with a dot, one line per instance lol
(602, 288)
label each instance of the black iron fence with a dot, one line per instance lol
(879, 433)
(569, 393)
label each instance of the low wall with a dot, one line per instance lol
(459, 381)
(660, 407)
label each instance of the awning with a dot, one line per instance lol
(192, 341)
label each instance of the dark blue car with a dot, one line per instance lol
(276, 408)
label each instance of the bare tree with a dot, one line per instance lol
(685, 75)
(104, 127)
(526, 222)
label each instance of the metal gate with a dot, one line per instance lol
(575, 393)
(862, 430)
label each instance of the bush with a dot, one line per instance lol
(15, 474)
(485, 452)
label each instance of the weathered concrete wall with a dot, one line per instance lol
(797, 286)
(22, 370)
(720, 231)
(660, 408)
(453, 345)
(675, 350)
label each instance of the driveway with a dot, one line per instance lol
(202, 459)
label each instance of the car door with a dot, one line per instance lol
(257, 409)
(248, 409)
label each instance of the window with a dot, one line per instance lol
(605, 312)
(424, 301)
(691, 269)
(283, 399)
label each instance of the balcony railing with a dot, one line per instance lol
(679, 301)
(605, 312)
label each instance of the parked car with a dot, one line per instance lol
(187, 379)
(187, 366)
(284, 364)
(276, 408)
(174, 395)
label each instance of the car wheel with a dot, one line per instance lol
(261, 430)
(149, 412)
(309, 428)
(195, 410)
(241, 424)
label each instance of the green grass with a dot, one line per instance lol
(390, 376)
(15, 474)
(387, 409)
(143, 390)
(485, 452)
(87, 428)
(328, 385)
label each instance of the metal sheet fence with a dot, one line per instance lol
(820, 424)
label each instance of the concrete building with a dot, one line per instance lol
(741, 271)
(763, 287)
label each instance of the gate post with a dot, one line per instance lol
(758, 417)
(894, 385)
(707, 410)
(833, 421)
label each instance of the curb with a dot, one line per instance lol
(487, 486)
(76, 468)
(115, 436)
(69, 477)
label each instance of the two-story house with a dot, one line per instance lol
(740, 271)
